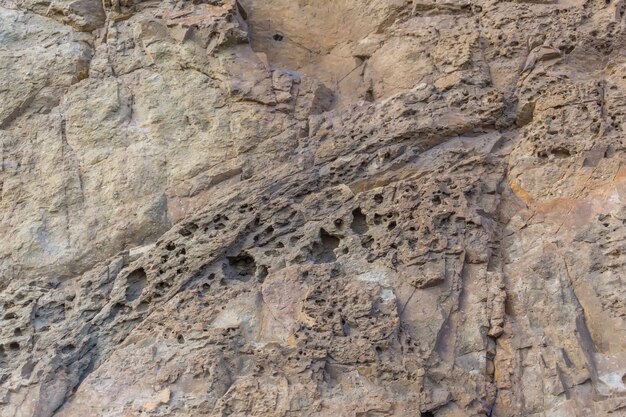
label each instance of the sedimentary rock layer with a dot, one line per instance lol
(312, 208)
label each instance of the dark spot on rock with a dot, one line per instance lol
(278, 37)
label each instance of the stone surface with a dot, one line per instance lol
(312, 208)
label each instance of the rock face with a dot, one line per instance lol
(357, 208)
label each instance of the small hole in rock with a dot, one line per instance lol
(68, 349)
(561, 153)
(14, 346)
(136, 281)
(277, 37)
(359, 222)
(243, 266)
(188, 229)
(324, 250)
(180, 338)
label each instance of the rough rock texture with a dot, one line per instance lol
(355, 208)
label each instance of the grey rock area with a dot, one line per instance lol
(279, 208)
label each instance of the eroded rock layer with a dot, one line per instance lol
(312, 208)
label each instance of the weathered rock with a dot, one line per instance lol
(312, 208)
